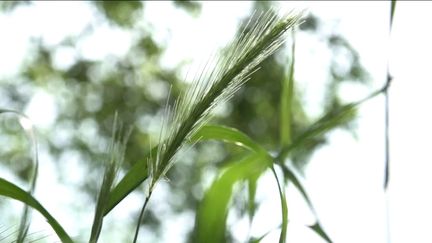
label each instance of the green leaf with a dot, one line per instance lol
(252, 188)
(227, 134)
(392, 11)
(317, 229)
(291, 176)
(138, 173)
(10, 190)
(329, 121)
(213, 211)
(286, 101)
(133, 178)
(27, 126)
(115, 157)
(259, 239)
(284, 206)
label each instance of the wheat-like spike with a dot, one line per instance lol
(220, 79)
(116, 151)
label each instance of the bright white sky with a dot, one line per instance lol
(345, 178)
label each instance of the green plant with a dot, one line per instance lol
(185, 125)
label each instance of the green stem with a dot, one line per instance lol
(141, 216)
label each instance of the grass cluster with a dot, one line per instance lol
(186, 123)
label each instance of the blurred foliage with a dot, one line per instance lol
(88, 93)
(11, 5)
(122, 13)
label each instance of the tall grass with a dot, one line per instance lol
(185, 124)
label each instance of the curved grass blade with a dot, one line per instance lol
(116, 153)
(234, 136)
(226, 181)
(10, 190)
(291, 176)
(27, 126)
(138, 173)
(259, 239)
(284, 206)
(318, 229)
(213, 211)
(227, 134)
(392, 11)
(133, 178)
(286, 100)
(326, 123)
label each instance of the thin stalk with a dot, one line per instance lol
(140, 217)
(386, 130)
(284, 207)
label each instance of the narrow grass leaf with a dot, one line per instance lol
(10, 190)
(27, 126)
(234, 136)
(138, 173)
(292, 177)
(252, 188)
(284, 207)
(386, 107)
(212, 214)
(227, 134)
(329, 121)
(392, 11)
(259, 239)
(318, 229)
(286, 100)
(133, 178)
(115, 156)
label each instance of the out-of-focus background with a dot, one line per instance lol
(71, 65)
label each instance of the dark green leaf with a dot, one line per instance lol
(284, 206)
(291, 176)
(317, 229)
(392, 11)
(10, 190)
(212, 214)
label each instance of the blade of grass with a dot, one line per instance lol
(138, 173)
(392, 11)
(236, 137)
(213, 211)
(286, 100)
(10, 190)
(284, 206)
(226, 134)
(318, 229)
(259, 239)
(326, 123)
(116, 152)
(240, 139)
(27, 126)
(252, 188)
(291, 176)
(386, 107)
